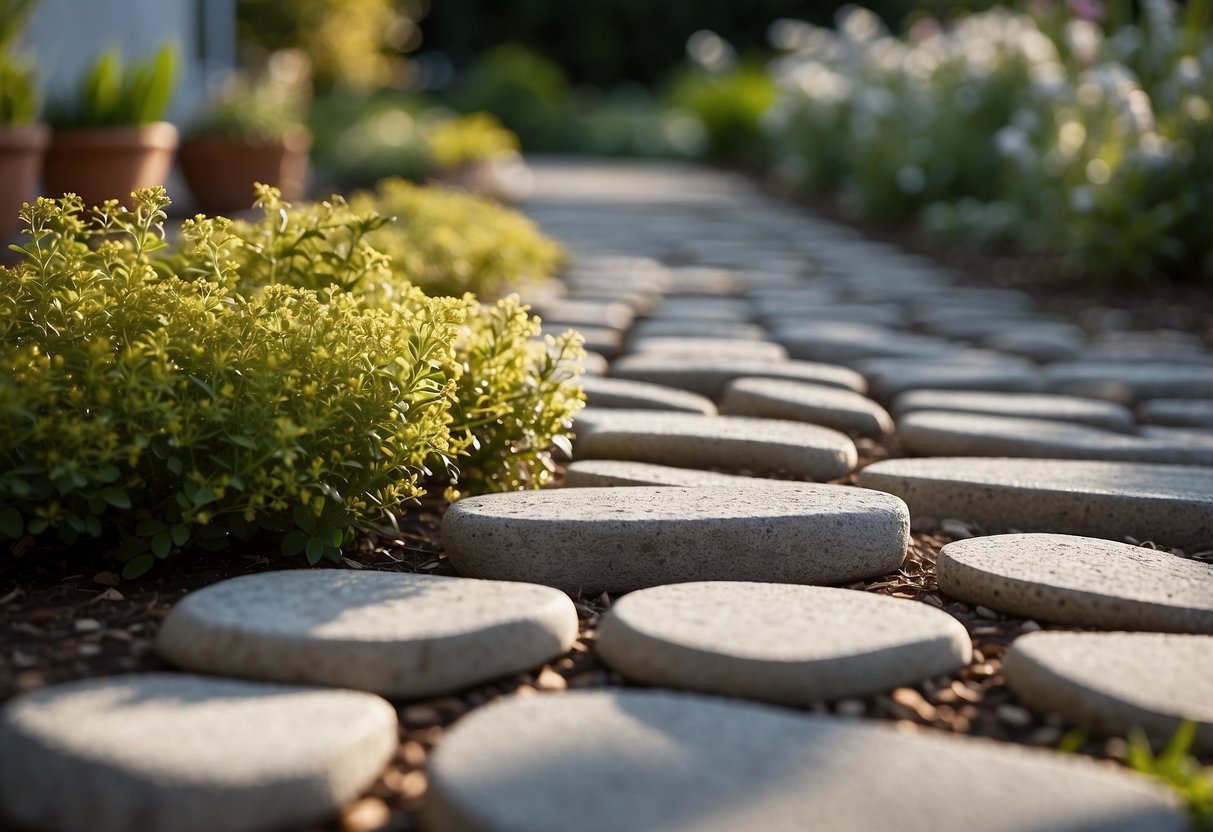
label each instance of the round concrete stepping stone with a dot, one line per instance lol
(177, 753)
(1128, 383)
(797, 401)
(1182, 413)
(591, 473)
(400, 635)
(889, 377)
(939, 433)
(639, 395)
(1171, 504)
(673, 327)
(876, 314)
(845, 343)
(605, 342)
(734, 443)
(709, 377)
(704, 309)
(1080, 581)
(699, 348)
(658, 760)
(1040, 342)
(620, 539)
(577, 313)
(1094, 412)
(778, 643)
(1114, 682)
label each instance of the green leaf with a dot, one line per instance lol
(294, 543)
(162, 544)
(148, 527)
(109, 473)
(180, 533)
(137, 566)
(116, 497)
(314, 550)
(12, 525)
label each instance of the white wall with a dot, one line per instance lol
(65, 37)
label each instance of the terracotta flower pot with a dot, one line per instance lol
(221, 170)
(21, 150)
(101, 163)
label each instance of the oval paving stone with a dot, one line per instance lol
(829, 407)
(588, 473)
(1170, 504)
(397, 634)
(1094, 412)
(735, 443)
(940, 433)
(709, 377)
(639, 395)
(778, 642)
(1080, 581)
(620, 539)
(177, 753)
(1114, 682)
(643, 761)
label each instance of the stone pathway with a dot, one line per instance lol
(746, 360)
(643, 760)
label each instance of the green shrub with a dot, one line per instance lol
(112, 94)
(449, 243)
(730, 105)
(514, 397)
(478, 137)
(155, 412)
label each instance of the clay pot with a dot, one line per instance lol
(100, 163)
(221, 170)
(21, 150)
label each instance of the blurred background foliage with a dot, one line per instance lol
(1077, 129)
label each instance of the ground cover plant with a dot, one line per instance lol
(267, 378)
(1049, 131)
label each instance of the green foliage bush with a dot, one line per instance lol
(730, 105)
(1042, 131)
(513, 396)
(154, 410)
(478, 137)
(113, 94)
(449, 243)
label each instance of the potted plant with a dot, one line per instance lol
(22, 141)
(109, 138)
(254, 132)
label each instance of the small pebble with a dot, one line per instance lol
(549, 679)
(87, 625)
(367, 815)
